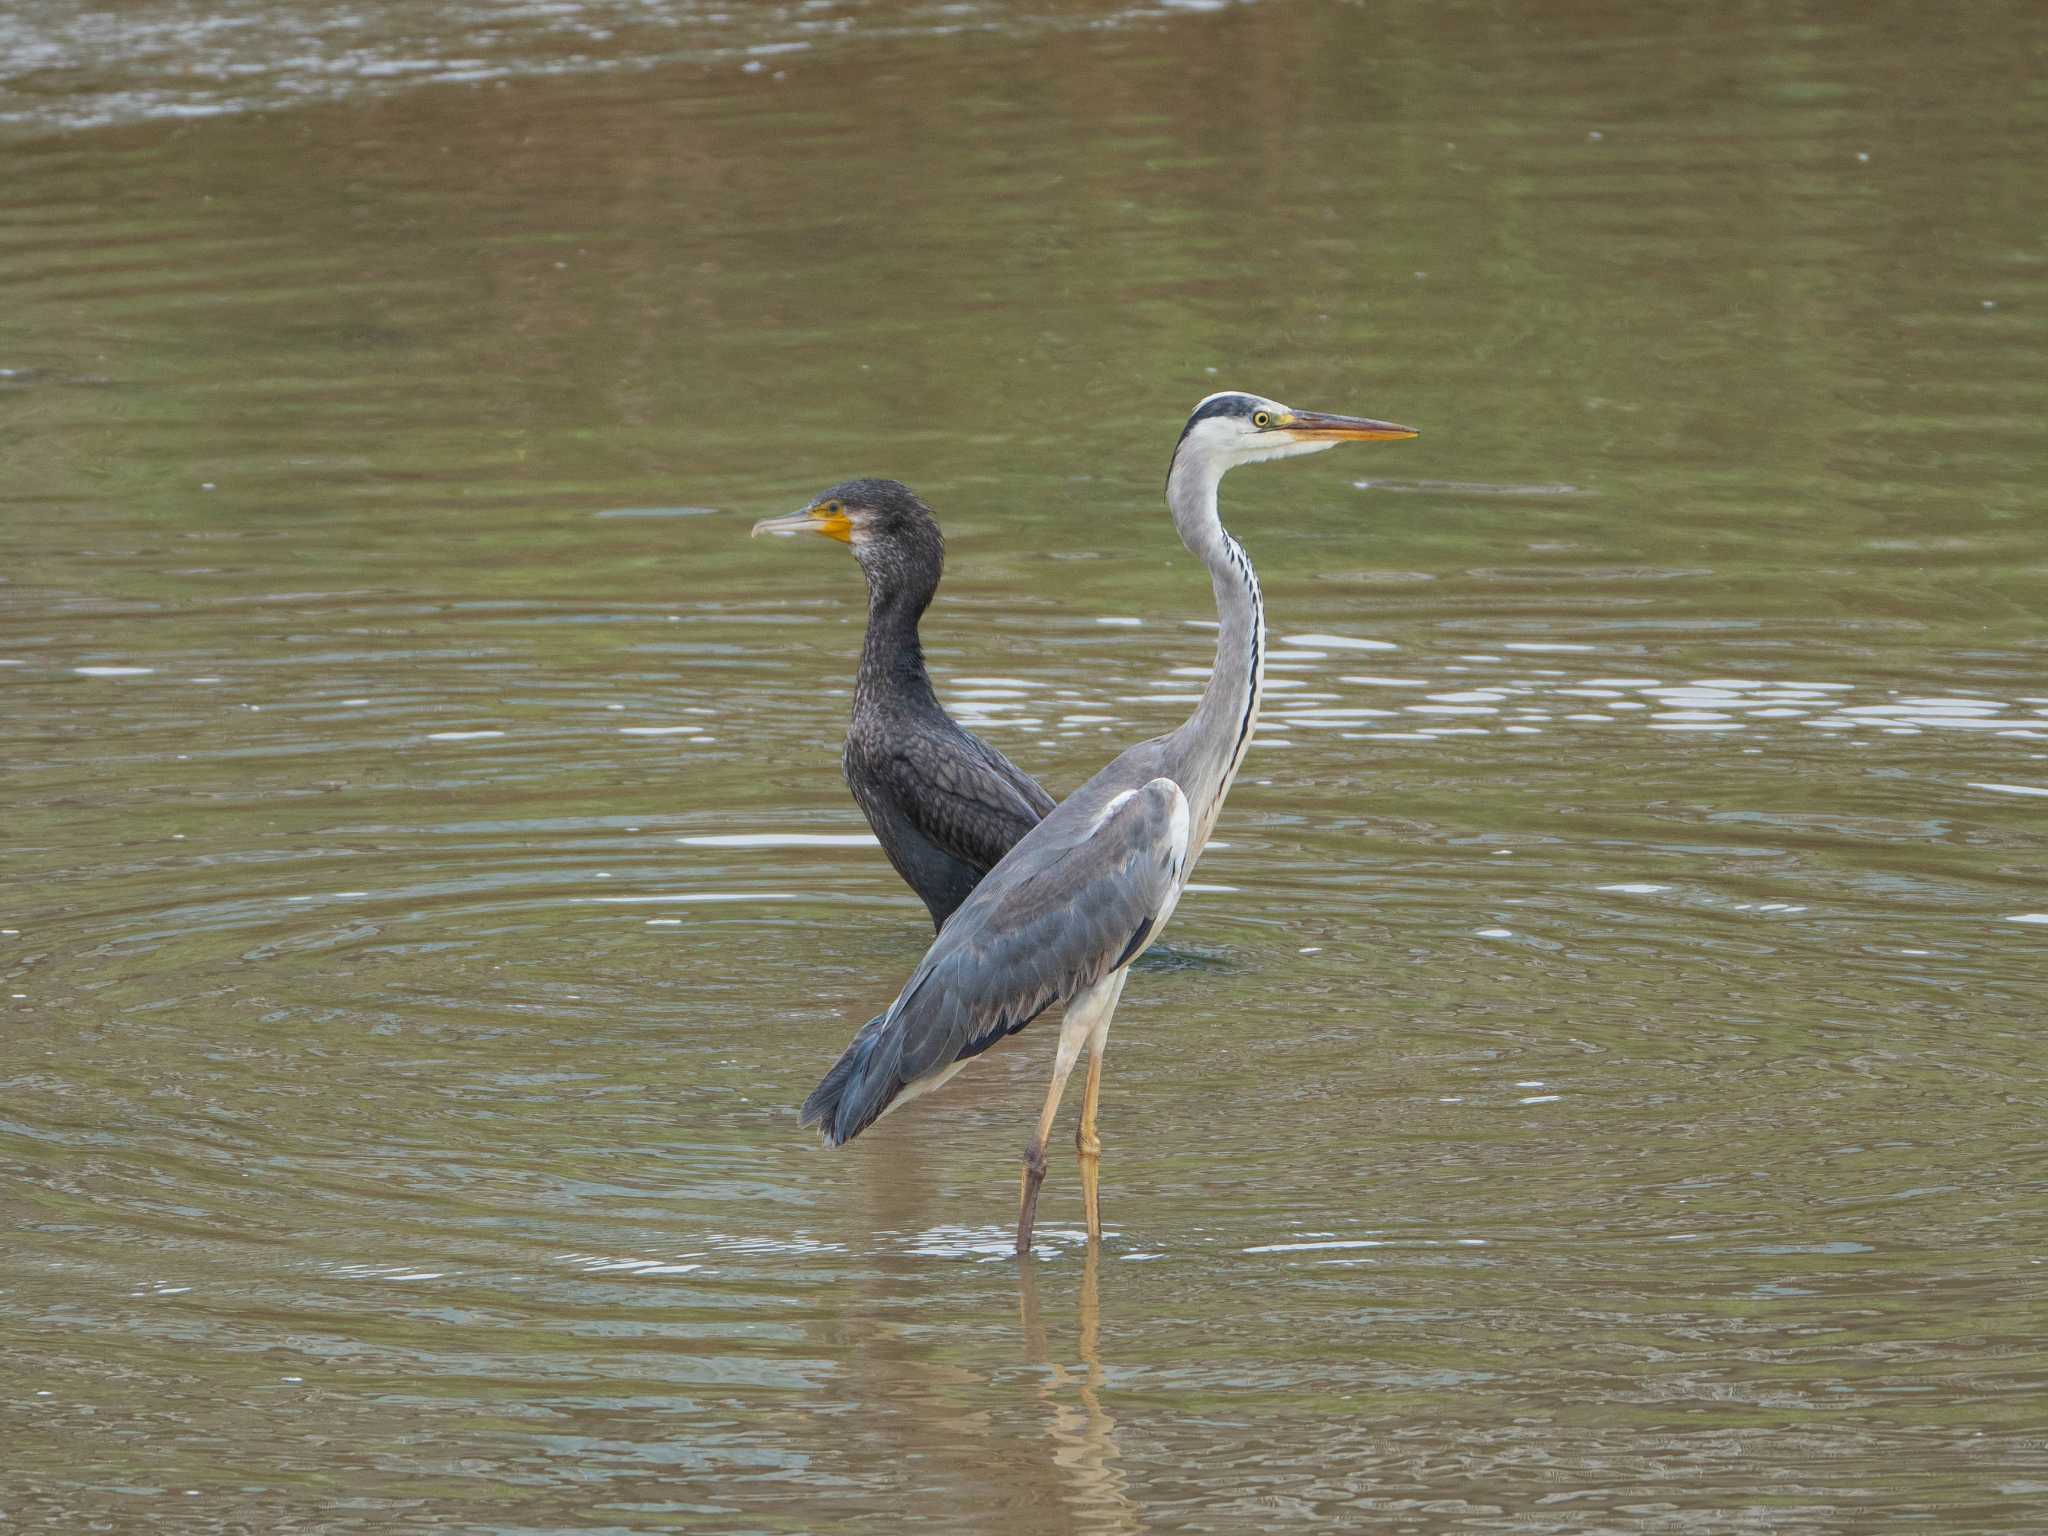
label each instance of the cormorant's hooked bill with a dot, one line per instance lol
(828, 518)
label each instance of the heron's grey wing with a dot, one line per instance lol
(1070, 904)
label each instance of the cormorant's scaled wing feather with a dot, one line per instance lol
(970, 800)
(1070, 904)
(1028, 789)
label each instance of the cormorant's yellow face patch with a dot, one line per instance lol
(833, 521)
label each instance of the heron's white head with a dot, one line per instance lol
(1234, 428)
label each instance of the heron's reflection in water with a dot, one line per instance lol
(1084, 1448)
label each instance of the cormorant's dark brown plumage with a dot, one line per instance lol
(944, 803)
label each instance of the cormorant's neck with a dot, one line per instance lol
(891, 656)
(1210, 747)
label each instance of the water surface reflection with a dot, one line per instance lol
(1594, 1083)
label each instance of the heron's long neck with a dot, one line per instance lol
(1208, 749)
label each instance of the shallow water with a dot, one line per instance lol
(1596, 1083)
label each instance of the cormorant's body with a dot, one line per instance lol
(945, 805)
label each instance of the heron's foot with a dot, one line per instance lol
(1088, 1158)
(1027, 1199)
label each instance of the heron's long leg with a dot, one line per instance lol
(1085, 1012)
(1088, 1148)
(1087, 1145)
(1034, 1155)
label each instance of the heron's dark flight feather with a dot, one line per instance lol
(1137, 941)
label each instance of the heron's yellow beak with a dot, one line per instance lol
(830, 521)
(1316, 427)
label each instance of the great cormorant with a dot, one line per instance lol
(945, 804)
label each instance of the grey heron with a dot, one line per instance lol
(1086, 891)
(945, 805)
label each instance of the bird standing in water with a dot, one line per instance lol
(1086, 891)
(945, 805)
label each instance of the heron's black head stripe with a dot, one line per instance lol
(1222, 405)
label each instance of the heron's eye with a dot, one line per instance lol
(1262, 418)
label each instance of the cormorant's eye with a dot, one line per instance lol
(1262, 419)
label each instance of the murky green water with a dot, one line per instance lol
(1600, 1086)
